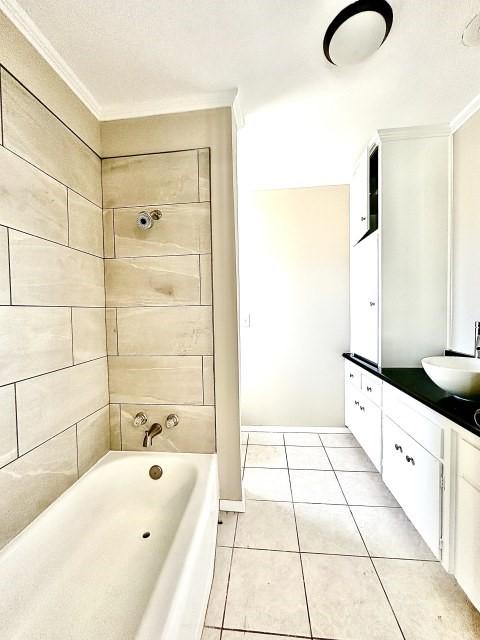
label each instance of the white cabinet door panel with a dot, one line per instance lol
(364, 325)
(359, 200)
(467, 540)
(413, 476)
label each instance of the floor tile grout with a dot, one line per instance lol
(300, 556)
(370, 558)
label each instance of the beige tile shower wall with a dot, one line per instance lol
(53, 365)
(158, 296)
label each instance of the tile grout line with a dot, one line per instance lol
(298, 543)
(367, 550)
(229, 571)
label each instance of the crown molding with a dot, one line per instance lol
(22, 21)
(170, 105)
(465, 114)
(406, 133)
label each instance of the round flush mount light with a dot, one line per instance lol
(471, 33)
(357, 31)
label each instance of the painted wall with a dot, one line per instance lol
(53, 366)
(215, 130)
(465, 256)
(294, 277)
(159, 298)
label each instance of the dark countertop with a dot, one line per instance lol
(415, 383)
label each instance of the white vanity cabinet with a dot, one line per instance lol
(467, 519)
(399, 273)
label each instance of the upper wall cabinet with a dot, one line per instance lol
(359, 200)
(401, 186)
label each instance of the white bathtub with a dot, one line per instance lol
(82, 569)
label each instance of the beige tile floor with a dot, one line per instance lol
(324, 551)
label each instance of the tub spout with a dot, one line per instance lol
(150, 434)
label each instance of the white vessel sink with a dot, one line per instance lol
(455, 374)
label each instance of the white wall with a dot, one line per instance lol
(294, 285)
(465, 295)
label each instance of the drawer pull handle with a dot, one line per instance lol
(410, 459)
(398, 448)
(372, 304)
(351, 375)
(369, 389)
(363, 218)
(362, 408)
(357, 403)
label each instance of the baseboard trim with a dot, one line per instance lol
(234, 505)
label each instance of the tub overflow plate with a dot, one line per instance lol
(155, 472)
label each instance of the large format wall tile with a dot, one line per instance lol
(115, 430)
(111, 326)
(85, 225)
(195, 433)
(33, 340)
(203, 175)
(34, 133)
(165, 331)
(89, 336)
(30, 200)
(47, 274)
(156, 379)
(28, 485)
(93, 436)
(8, 425)
(50, 403)
(172, 280)
(208, 380)
(108, 239)
(4, 267)
(206, 279)
(182, 229)
(163, 178)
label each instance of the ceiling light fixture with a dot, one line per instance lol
(357, 31)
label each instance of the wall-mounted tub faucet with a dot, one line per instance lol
(145, 219)
(476, 351)
(150, 434)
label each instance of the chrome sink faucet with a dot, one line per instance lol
(476, 351)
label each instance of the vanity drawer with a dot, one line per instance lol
(372, 388)
(353, 375)
(469, 463)
(414, 419)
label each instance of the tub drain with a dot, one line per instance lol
(155, 472)
(146, 534)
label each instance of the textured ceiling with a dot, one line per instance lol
(305, 120)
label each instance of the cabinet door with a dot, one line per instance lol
(413, 476)
(371, 431)
(467, 540)
(364, 282)
(359, 200)
(467, 520)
